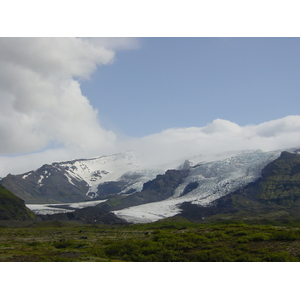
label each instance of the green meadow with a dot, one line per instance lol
(165, 241)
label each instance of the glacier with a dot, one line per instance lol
(47, 209)
(212, 176)
(215, 178)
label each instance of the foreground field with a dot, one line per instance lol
(156, 242)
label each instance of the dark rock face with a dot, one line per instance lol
(165, 184)
(13, 207)
(275, 194)
(198, 213)
(191, 186)
(112, 188)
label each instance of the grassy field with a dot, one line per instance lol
(157, 242)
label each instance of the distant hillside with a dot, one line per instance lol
(275, 196)
(13, 207)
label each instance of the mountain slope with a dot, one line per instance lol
(81, 179)
(204, 183)
(158, 189)
(275, 196)
(12, 207)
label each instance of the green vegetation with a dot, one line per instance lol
(12, 207)
(165, 241)
(281, 183)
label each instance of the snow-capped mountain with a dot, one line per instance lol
(82, 179)
(147, 194)
(122, 167)
(206, 182)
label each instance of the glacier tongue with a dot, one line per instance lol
(214, 178)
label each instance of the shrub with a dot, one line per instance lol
(63, 244)
(282, 256)
(259, 236)
(285, 236)
(213, 255)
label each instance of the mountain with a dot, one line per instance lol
(82, 179)
(275, 196)
(133, 193)
(13, 207)
(156, 190)
(204, 182)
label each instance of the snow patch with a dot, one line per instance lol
(39, 182)
(70, 179)
(26, 175)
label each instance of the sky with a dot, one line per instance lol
(166, 98)
(185, 82)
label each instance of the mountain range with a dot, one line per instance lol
(120, 185)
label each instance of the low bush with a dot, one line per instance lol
(156, 242)
(286, 235)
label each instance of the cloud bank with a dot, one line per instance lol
(177, 144)
(45, 118)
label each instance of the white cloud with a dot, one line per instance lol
(175, 145)
(287, 125)
(40, 94)
(220, 126)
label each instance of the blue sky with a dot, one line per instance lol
(186, 82)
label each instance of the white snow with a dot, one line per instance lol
(44, 209)
(39, 183)
(150, 212)
(70, 178)
(26, 175)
